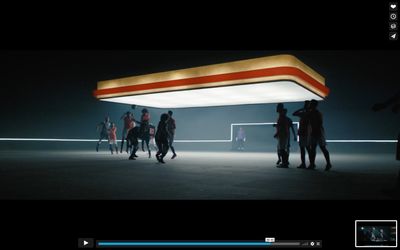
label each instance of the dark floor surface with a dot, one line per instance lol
(55, 174)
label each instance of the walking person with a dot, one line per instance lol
(128, 124)
(291, 128)
(132, 139)
(112, 138)
(171, 127)
(144, 129)
(104, 127)
(162, 138)
(303, 132)
(317, 136)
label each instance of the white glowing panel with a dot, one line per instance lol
(268, 92)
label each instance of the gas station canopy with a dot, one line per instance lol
(272, 79)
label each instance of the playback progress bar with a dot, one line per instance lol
(91, 243)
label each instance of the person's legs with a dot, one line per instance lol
(170, 142)
(322, 146)
(241, 145)
(302, 157)
(278, 152)
(111, 148)
(123, 139)
(327, 157)
(102, 136)
(282, 149)
(285, 158)
(312, 154)
(159, 151)
(165, 148)
(288, 155)
(148, 146)
(134, 147)
(116, 148)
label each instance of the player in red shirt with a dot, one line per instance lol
(129, 123)
(112, 138)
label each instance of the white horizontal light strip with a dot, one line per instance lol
(257, 124)
(184, 141)
(50, 139)
(362, 141)
(257, 93)
(197, 141)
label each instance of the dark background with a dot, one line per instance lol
(358, 28)
(48, 94)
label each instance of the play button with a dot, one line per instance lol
(85, 243)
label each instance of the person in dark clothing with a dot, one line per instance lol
(303, 132)
(144, 129)
(104, 128)
(284, 126)
(162, 138)
(317, 136)
(171, 127)
(282, 135)
(279, 108)
(394, 103)
(133, 142)
(129, 122)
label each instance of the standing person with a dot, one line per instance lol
(132, 139)
(291, 128)
(279, 108)
(128, 124)
(394, 103)
(104, 127)
(152, 133)
(317, 136)
(282, 134)
(162, 138)
(171, 127)
(303, 132)
(112, 138)
(144, 128)
(240, 139)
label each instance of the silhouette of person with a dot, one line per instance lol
(132, 138)
(303, 132)
(317, 136)
(282, 135)
(144, 129)
(128, 124)
(162, 138)
(291, 127)
(240, 139)
(381, 235)
(394, 103)
(171, 127)
(279, 108)
(104, 130)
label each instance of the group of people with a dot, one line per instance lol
(161, 139)
(310, 132)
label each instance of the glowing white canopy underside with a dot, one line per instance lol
(258, 93)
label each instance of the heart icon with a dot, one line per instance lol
(393, 6)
